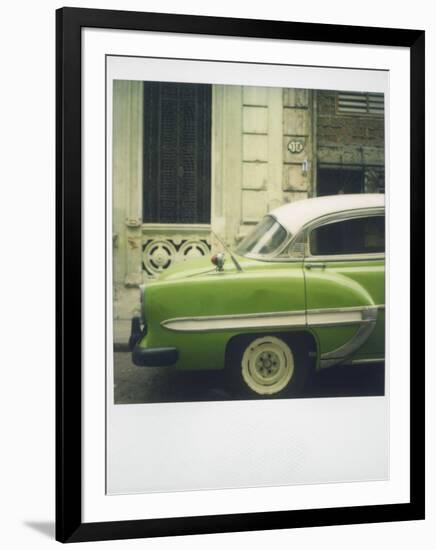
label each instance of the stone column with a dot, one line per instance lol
(298, 167)
(256, 146)
(275, 147)
(127, 194)
(226, 162)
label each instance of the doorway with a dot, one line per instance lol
(340, 180)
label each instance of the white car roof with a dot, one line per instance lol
(293, 216)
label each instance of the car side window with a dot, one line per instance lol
(364, 235)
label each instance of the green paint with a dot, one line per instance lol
(195, 289)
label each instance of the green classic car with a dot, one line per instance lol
(304, 290)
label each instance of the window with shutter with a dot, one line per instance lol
(177, 143)
(360, 103)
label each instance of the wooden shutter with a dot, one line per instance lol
(177, 141)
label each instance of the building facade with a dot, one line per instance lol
(192, 161)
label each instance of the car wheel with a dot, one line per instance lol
(267, 366)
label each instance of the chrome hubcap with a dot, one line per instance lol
(267, 364)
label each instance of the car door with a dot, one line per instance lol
(344, 270)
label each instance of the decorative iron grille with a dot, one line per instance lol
(177, 150)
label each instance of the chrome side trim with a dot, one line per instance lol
(367, 361)
(368, 257)
(341, 354)
(341, 316)
(231, 322)
(316, 317)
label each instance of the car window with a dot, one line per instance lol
(266, 238)
(364, 235)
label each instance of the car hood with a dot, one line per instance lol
(202, 267)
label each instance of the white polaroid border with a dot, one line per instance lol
(220, 442)
(239, 443)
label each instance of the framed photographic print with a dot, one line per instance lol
(240, 211)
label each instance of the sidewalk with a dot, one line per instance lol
(121, 335)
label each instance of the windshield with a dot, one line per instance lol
(265, 239)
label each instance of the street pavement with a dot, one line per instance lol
(165, 385)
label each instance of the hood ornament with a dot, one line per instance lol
(234, 260)
(218, 260)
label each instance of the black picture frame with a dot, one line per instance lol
(69, 525)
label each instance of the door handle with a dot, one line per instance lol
(314, 265)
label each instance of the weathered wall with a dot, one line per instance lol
(298, 144)
(347, 138)
(253, 171)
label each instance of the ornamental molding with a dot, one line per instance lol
(162, 249)
(172, 229)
